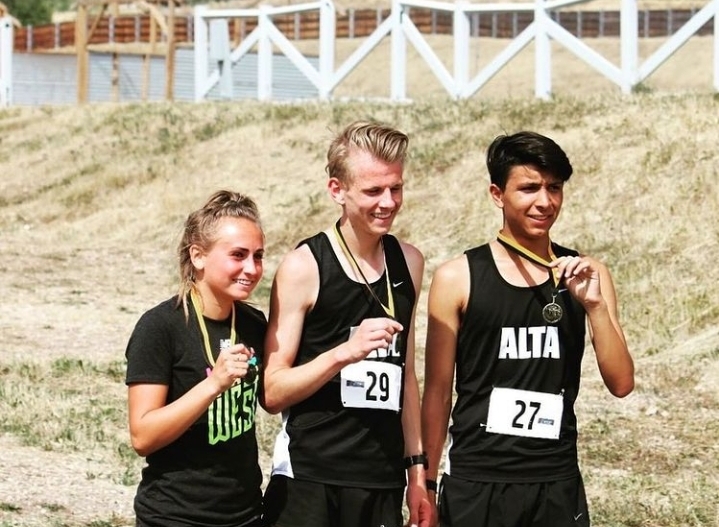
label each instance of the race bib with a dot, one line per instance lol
(525, 413)
(371, 384)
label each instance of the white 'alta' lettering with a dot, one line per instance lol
(539, 342)
(382, 353)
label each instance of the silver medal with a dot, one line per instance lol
(552, 312)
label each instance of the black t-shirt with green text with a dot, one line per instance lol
(209, 476)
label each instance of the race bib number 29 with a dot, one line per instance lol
(525, 413)
(371, 384)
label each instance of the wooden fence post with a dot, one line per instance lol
(170, 54)
(82, 53)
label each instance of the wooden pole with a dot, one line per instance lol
(237, 37)
(82, 53)
(170, 53)
(96, 22)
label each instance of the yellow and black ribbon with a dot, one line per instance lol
(389, 309)
(512, 245)
(203, 328)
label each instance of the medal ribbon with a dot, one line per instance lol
(512, 245)
(203, 328)
(389, 310)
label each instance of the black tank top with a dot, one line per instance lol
(498, 312)
(329, 443)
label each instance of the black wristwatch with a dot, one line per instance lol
(419, 459)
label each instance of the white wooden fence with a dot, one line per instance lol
(212, 44)
(214, 57)
(6, 50)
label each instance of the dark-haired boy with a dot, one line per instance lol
(509, 316)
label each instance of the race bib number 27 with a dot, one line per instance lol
(525, 413)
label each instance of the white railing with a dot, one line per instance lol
(211, 45)
(6, 50)
(543, 29)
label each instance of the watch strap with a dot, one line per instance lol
(419, 459)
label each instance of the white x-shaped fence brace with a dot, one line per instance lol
(400, 28)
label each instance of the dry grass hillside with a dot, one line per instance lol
(92, 200)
